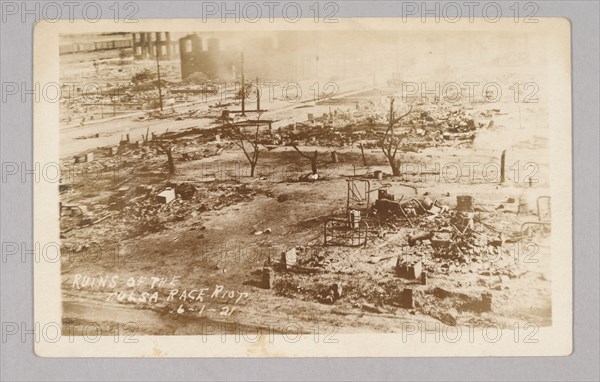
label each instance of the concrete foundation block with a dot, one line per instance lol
(167, 196)
(289, 258)
(406, 299)
(409, 271)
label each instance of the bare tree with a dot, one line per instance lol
(165, 147)
(242, 139)
(312, 159)
(392, 141)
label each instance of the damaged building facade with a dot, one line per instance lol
(282, 56)
(146, 45)
(204, 56)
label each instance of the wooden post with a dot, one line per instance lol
(160, 101)
(502, 167)
(243, 90)
(257, 96)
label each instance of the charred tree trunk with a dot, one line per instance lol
(395, 169)
(313, 159)
(395, 166)
(241, 139)
(391, 142)
(362, 151)
(168, 151)
(313, 164)
(170, 161)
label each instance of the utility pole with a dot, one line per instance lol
(397, 58)
(243, 89)
(257, 97)
(344, 61)
(158, 72)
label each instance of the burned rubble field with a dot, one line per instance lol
(422, 247)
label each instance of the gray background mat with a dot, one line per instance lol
(18, 361)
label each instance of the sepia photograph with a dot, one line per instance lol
(317, 182)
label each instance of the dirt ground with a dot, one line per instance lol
(210, 240)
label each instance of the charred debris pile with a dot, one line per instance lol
(413, 248)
